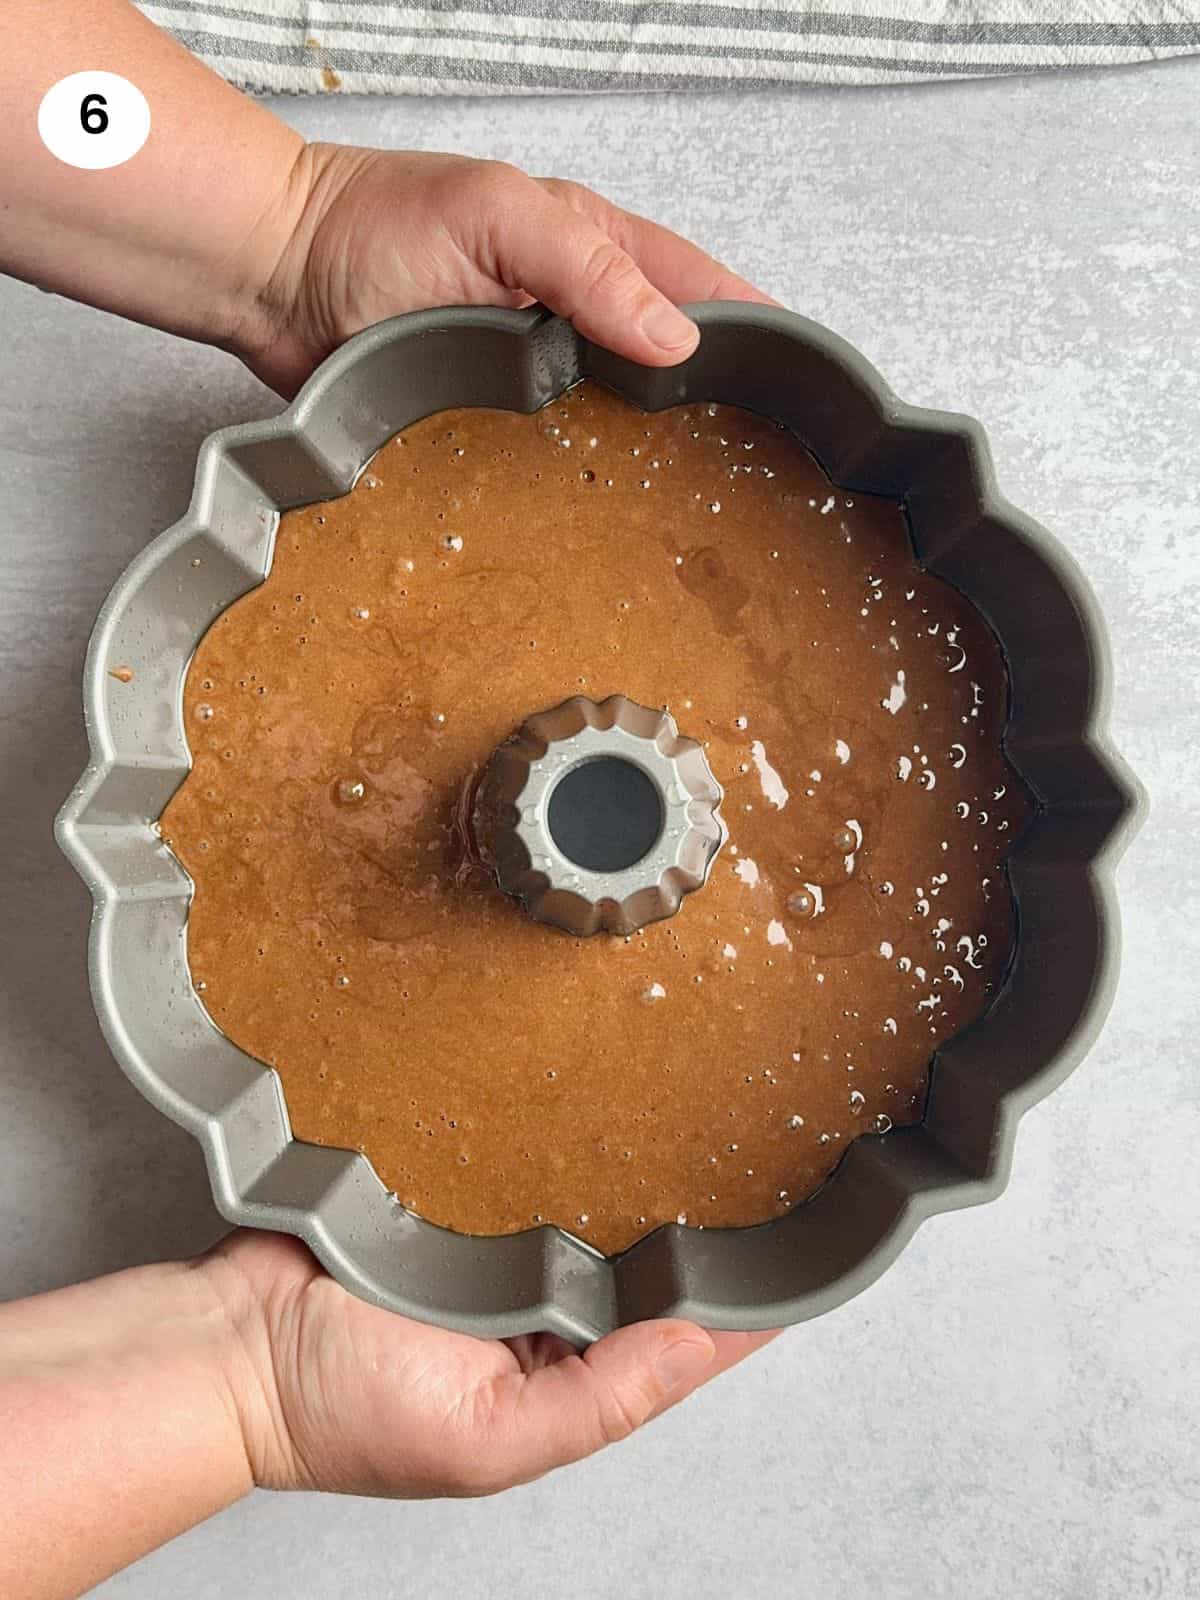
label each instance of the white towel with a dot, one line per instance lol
(554, 46)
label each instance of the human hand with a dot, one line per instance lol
(359, 235)
(134, 1405)
(335, 1394)
(229, 228)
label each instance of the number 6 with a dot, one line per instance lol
(92, 115)
(77, 108)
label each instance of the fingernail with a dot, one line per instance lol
(683, 1362)
(667, 327)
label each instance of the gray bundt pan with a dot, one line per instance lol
(827, 1249)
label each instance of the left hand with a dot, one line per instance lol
(360, 235)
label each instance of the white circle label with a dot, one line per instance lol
(94, 120)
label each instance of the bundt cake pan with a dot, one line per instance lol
(795, 1266)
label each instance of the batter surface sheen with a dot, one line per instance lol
(498, 1073)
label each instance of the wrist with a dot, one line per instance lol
(251, 1277)
(118, 1399)
(256, 311)
(284, 326)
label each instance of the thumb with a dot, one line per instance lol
(562, 1412)
(564, 259)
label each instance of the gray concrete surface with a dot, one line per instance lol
(1012, 1411)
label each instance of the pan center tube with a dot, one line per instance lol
(599, 816)
(606, 814)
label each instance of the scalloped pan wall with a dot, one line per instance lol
(830, 1247)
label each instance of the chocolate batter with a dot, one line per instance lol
(498, 1073)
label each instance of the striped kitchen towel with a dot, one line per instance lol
(552, 46)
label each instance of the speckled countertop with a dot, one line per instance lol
(1010, 1413)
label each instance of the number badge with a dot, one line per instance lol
(94, 120)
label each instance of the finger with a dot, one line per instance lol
(533, 1350)
(729, 1350)
(672, 263)
(556, 253)
(559, 1413)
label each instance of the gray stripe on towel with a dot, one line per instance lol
(1056, 35)
(537, 75)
